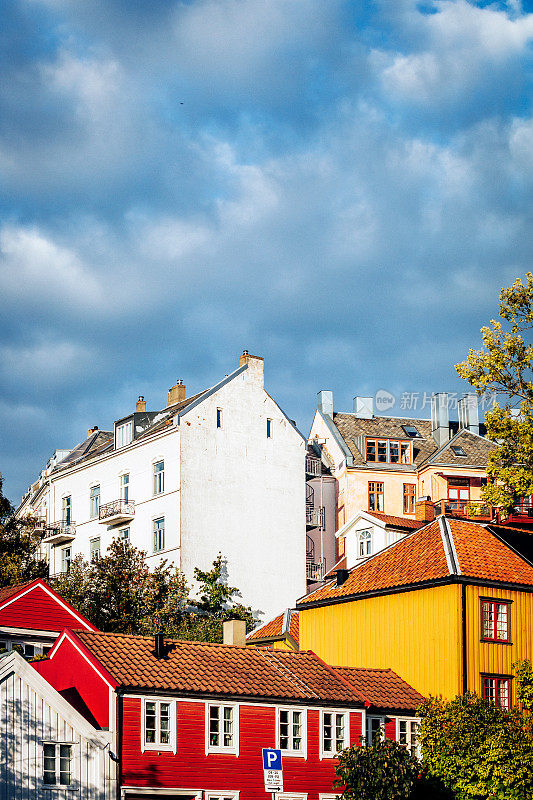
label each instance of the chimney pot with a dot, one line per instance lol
(234, 632)
(92, 430)
(176, 393)
(141, 404)
(159, 642)
(363, 407)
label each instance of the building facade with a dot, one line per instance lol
(222, 471)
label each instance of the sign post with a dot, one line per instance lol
(272, 770)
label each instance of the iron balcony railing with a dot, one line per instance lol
(312, 466)
(469, 509)
(522, 509)
(315, 572)
(314, 517)
(117, 508)
(60, 528)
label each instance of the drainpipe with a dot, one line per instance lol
(463, 638)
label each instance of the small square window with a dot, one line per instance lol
(124, 533)
(497, 689)
(457, 450)
(495, 621)
(57, 764)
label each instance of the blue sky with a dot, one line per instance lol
(340, 187)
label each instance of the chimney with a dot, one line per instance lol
(363, 407)
(159, 642)
(469, 413)
(440, 421)
(176, 394)
(424, 510)
(234, 632)
(141, 404)
(255, 366)
(342, 576)
(92, 430)
(325, 403)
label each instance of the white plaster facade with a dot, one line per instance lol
(364, 536)
(238, 489)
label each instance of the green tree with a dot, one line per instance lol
(19, 547)
(383, 770)
(504, 365)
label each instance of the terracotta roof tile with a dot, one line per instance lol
(204, 668)
(274, 628)
(383, 688)
(398, 522)
(420, 557)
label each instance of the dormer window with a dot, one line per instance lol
(411, 431)
(457, 450)
(124, 434)
(388, 451)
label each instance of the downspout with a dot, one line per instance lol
(120, 715)
(463, 638)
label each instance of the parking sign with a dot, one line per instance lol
(272, 770)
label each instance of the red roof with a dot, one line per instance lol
(36, 606)
(383, 688)
(205, 668)
(423, 556)
(275, 627)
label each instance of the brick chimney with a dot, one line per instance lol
(92, 430)
(234, 632)
(255, 365)
(424, 510)
(176, 394)
(141, 404)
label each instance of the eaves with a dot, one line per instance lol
(240, 698)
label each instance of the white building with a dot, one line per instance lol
(222, 471)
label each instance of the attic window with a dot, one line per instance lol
(124, 434)
(411, 431)
(457, 450)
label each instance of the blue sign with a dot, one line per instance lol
(272, 758)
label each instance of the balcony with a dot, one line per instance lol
(313, 467)
(116, 512)
(521, 513)
(314, 517)
(476, 510)
(59, 532)
(314, 572)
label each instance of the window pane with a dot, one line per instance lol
(150, 723)
(370, 450)
(49, 764)
(214, 726)
(284, 730)
(164, 723)
(382, 451)
(501, 622)
(65, 758)
(394, 450)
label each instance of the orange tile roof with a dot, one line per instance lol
(274, 628)
(204, 668)
(398, 522)
(421, 557)
(383, 688)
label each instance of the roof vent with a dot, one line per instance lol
(342, 576)
(159, 641)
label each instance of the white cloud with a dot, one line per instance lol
(46, 363)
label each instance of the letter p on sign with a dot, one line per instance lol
(271, 758)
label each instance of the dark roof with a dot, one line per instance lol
(204, 668)
(165, 417)
(94, 445)
(383, 688)
(476, 449)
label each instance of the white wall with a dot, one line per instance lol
(244, 494)
(381, 538)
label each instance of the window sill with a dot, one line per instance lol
(293, 754)
(159, 748)
(222, 751)
(494, 641)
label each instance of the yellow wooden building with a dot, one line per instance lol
(449, 608)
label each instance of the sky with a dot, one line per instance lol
(341, 187)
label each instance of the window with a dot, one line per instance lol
(370, 450)
(159, 534)
(496, 689)
(407, 734)
(26, 650)
(222, 728)
(335, 734)
(125, 487)
(457, 450)
(375, 726)
(375, 496)
(94, 545)
(342, 545)
(382, 450)
(291, 733)
(222, 795)
(124, 434)
(394, 452)
(411, 431)
(409, 492)
(269, 429)
(495, 621)
(405, 452)
(57, 764)
(158, 725)
(159, 477)
(459, 489)
(66, 559)
(66, 510)
(219, 417)
(388, 451)
(365, 543)
(124, 533)
(94, 502)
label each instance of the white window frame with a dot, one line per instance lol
(93, 497)
(222, 795)
(119, 435)
(370, 717)
(410, 721)
(64, 550)
(160, 476)
(92, 553)
(210, 748)
(346, 715)
(124, 486)
(368, 541)
(292, 753)
(74, 782)
(294, 796)
(122, 531)
(171, 747)
(64, 499)
(160, 549)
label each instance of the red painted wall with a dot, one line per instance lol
(39, 611)
(68, 669)
(390, 727)
(190, 768)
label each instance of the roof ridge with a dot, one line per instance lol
(449, 547)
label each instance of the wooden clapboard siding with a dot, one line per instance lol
(37, 607)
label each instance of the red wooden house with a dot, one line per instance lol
(32, 616)
(189, 719)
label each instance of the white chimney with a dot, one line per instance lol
(440, 420)
(325, 403)
(468, 409)
(363, 407)
(234, 632)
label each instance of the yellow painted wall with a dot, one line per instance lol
(490, 657)
(417, 634)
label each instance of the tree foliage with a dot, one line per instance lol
(19, 547)
(478, 750)
(383, 770)
(504, 365)
(119, 593)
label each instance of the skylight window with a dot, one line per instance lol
(411, 431)
(457, 450)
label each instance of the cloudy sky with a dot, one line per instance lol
(341, 187)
